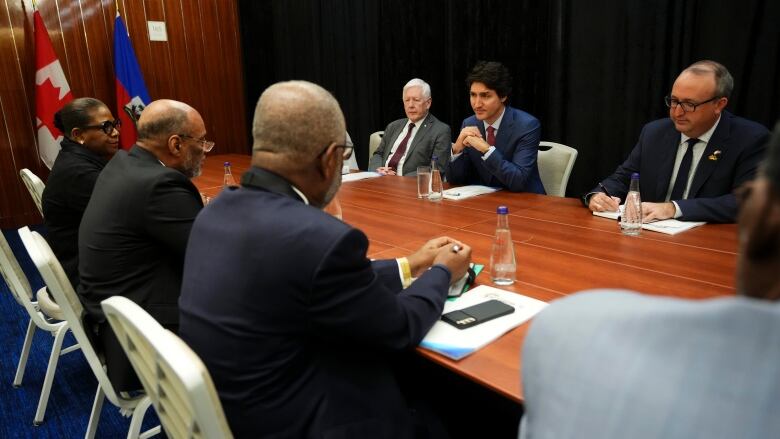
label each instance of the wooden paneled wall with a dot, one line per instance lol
(200, 64)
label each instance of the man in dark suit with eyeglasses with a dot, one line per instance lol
(136, 226)
(690, 163)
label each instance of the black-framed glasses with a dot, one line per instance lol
(107, 126)
(207, 145)
(346, 154)
(688, 107)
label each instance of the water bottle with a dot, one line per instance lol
(631, 219)
(228, 181)
(502, 255)
(437, 188)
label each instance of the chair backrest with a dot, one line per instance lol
(373, 142)
(35, 186)
(555, 164)
(60, 287)
(13, 275)
(174, 377)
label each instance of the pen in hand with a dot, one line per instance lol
(455, 248)
(603, 188)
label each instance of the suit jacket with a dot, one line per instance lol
(132, 241)
(295, 324)
(433, 138)
(513, 163)
(741, 144)
(64, 200)
(619, 365)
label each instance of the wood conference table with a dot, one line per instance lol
(560, 249)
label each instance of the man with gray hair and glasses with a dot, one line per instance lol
(136, 226)
(690, 163)
(411, 142)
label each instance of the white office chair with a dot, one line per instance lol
(373, 142)
(555, 164)
(35, 186)
(50, 321)
(62, 290)
(173, 376)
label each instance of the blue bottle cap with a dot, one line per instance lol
(635, 176)
(502, 210)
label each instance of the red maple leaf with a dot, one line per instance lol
(48, 102)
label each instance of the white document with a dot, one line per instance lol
(669, 226)
(458, 343)
(463, 192)
(355, 176)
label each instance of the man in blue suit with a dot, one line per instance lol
(295, 324)
(690, 163)
(498, 145)
(616, 364)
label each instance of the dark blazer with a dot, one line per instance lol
(132, 241)
(64, 200)
(741, 144)
(295, 324)
(433, 137)
(513, 163)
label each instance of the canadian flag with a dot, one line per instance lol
(52, 92)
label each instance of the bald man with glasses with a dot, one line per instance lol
(136, 226)
(690, 163)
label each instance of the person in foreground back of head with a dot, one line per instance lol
(91, 137)
(295, 324)
(135, 229)
(616, 364)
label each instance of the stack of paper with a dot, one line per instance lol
(463, 192)
(355, 176)
(669, 226)
(458, 343)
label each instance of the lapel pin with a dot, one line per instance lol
(714, 156)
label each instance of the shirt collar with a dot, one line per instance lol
(497, 123)
(704, 137)
(259, 178)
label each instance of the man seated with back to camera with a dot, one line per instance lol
(690, 163)
(296, 325)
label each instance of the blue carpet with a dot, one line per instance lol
(74, 386)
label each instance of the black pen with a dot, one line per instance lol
(603, 188)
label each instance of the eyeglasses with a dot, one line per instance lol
(107, 126)
(688, 107)
(206, 144)
(346, 154)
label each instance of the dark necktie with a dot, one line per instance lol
(491, 137)
(401, 150)
(682, 173)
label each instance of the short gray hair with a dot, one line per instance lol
(296, 118)
(724, 82)
(174, 121)
(417, 82)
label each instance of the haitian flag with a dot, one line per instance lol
(52, 92)
(131, 94)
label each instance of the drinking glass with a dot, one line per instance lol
(423, 181)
